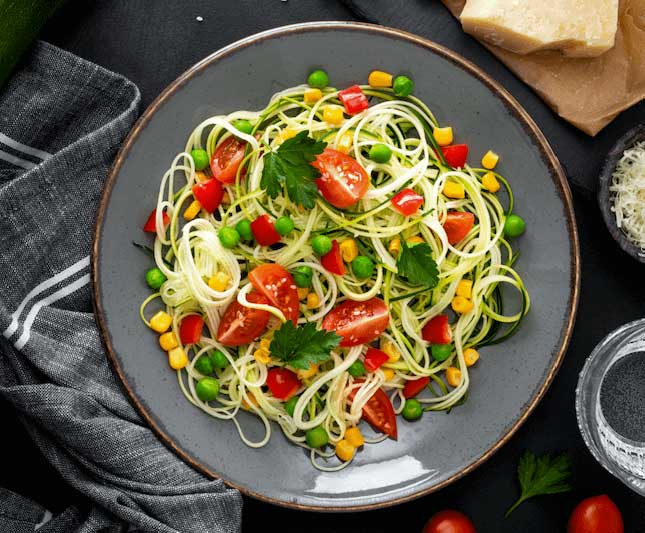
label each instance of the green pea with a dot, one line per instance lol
(207, 389)
(403, 86)
(380, 153)
(362, 267)
(303, 276)
(204, 365)
(412, 409)
(155, 278)
(284, 225)
(514, 226)
(229, 237)
(321, 244)
(356, 369)
(243, 125)
(316, 437)
(318, 79)
(218, 359)
(441, 352)
(290, 405)
(243, 227)
(200, 158)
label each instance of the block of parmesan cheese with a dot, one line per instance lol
(579, 28)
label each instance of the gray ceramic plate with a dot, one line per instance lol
(509, 380)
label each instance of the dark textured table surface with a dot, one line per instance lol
(153, 42)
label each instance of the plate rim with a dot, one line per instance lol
(528, 124)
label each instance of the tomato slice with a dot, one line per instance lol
(357, 322)
(354, 100)
(333, 261)
(415, 386)
(457, 225)
(190, 329)
(209, 193)
(150, 225)
(343, 181)
(455, 154)
(437, 330)
(375, 359)
(227, 158)
(264, 231)
(407, 202)
(449, 521)
(241, 324)
(283, 383)
(378, 412)
(276, 284)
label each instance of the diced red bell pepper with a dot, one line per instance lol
(437, 330)
(333, 261)
(457, 225)
(283, 383)
(407, 202)
(151, 226)
(264, 231)
(455, 154)
(415, 386)
(190, 329)
(354, 99)
(375, 359)
(209, 193)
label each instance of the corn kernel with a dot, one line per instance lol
(354, 437)
(285, 134)
(219, 281)
(310, 372)
(177, 358)
(302, 292)
(349, 250)
(252, 399)
(453, 376)
(465, 288)
(452, 189)
(226, 199)
(391, 350)
(344, 143)
(490, 160)
(461, 305)
(378, 78)
(471, 356)
(395, 246)
(443, 136)
(333, 115)
(192, 210)
(312, 96)
(262, 356)
(200, 176)
(168, 341)
(160, 322)
(312, 300)
(345, 450)
(490, 183)
(388, 373)
(265, 344)
(415, 240)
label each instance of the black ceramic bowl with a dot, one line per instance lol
(606, 198)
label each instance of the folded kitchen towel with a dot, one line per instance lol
(62, 120)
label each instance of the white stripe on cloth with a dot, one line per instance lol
(22, 163)
(79, 265)
(40, 154)
(31, 316)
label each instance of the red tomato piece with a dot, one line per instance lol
(449, 521)
(264, 231)
(241, 324)
(276, 285)
(150, 225)
(457, 225)
(190, 329)
(358, 322)
(407, 202)
(437, 330)
(343, 181)
(455, 154)
(227, 158)
(596, 515)
(209, 193)
(375, 359)
(415, 386)
(354, 100)
(283, 383)
(378, 412)
(333, 261)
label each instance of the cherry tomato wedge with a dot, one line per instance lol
(354, 100)
(283, 383)
(437, 330)
(190, 329)
(596, 515)
(415, 386)
(264, 231)
(407, 202)
(333, 261)
(375, 359)
(357, 322)
(457, 225)
(343, 181)
(150, 225)
(209, 193)
(240, 324)
(449, 521)
(378, 412)
(227, 158)
(455, 154)
(276, 285)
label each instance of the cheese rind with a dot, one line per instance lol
(578, 28)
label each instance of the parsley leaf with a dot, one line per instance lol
(289, 165)
(302, 346)
(417, 265)
(542, 475)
